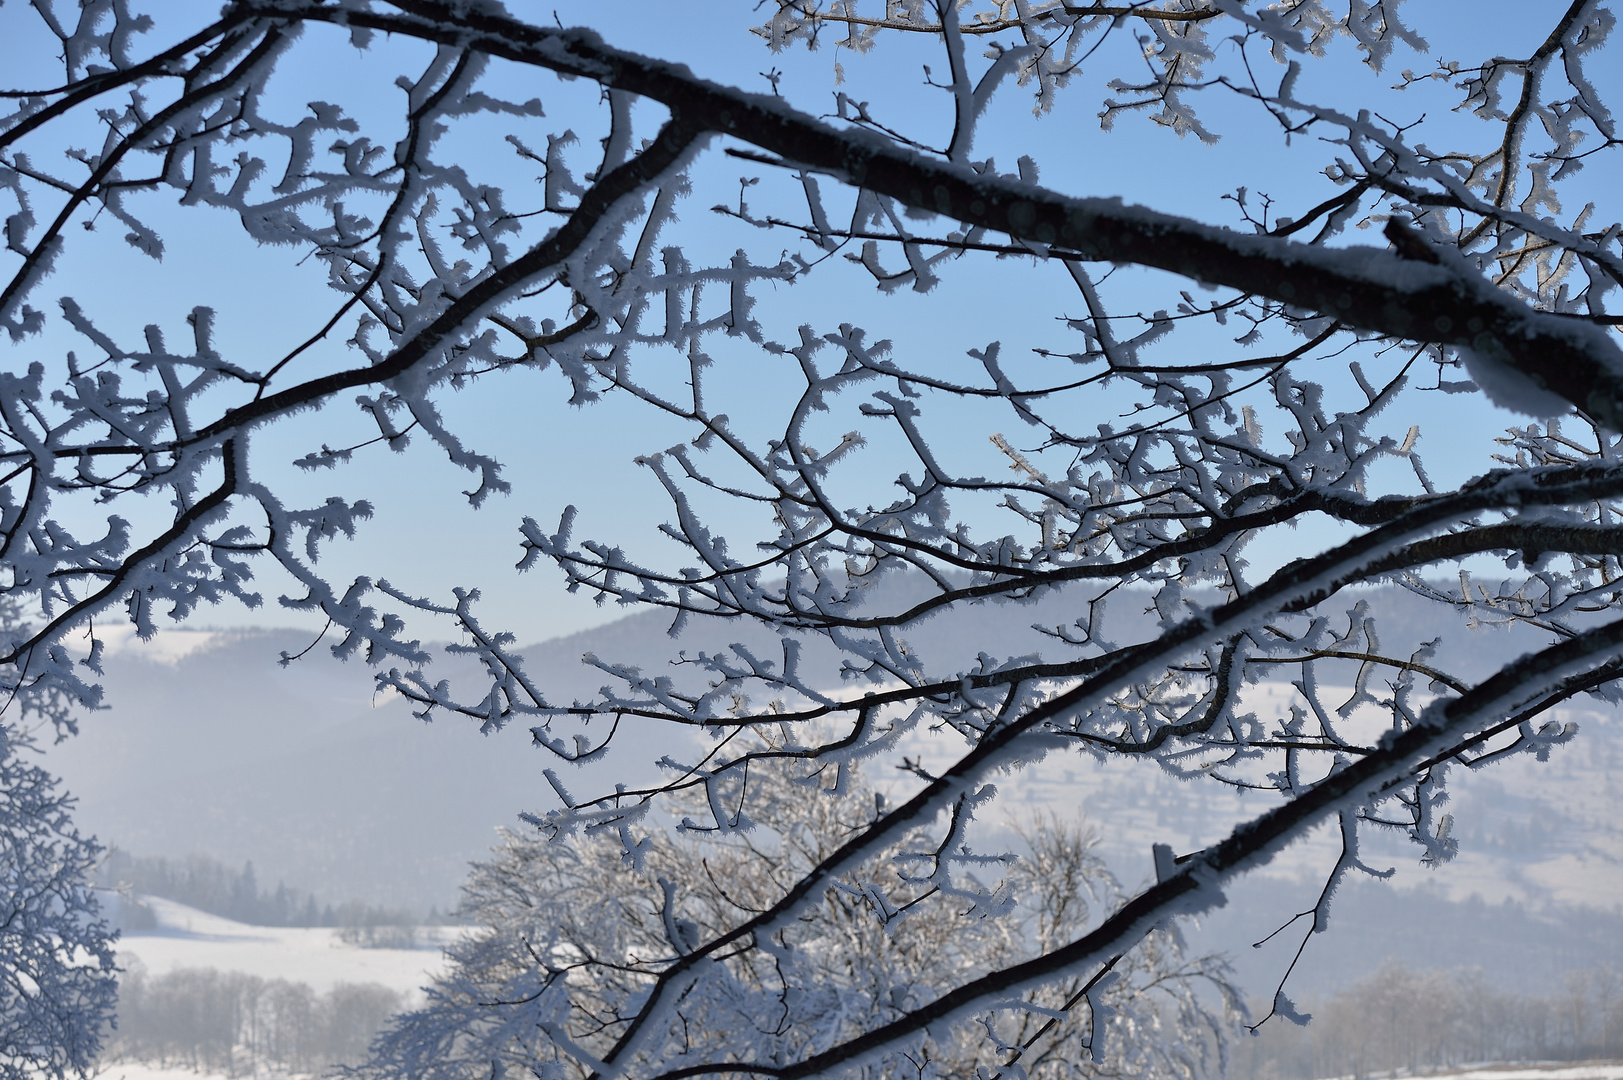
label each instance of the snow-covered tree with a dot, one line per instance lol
(1239, 461)
(569, 935)
(58, 982)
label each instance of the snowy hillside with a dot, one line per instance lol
(188, 938)
(1531, 896)
(210, 747)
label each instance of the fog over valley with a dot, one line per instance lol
(209, 747)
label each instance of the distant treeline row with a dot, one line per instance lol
(209, 885)
(1401, 1020)
(238, 1024)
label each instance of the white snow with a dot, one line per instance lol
(167, 647)
(1598, 1070)
(140, 1070)
(1510, 389)
(188, 938)
(1588, 1070)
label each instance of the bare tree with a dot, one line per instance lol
(1161, 449)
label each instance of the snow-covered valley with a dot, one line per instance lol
(316, 956)
(209, 747)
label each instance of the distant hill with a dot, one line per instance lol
(226, 754)
(209, 747)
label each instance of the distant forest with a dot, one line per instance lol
(209, 885)
(1405, 1022)
(241, 1025)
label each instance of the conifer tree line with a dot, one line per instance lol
(208, 884)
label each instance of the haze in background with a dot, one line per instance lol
(208, 746)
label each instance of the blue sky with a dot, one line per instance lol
(426, 539)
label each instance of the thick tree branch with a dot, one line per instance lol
(1366, 288)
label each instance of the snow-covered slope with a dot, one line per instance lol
(210, 747)
(188, 938)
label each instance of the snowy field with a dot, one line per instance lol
(1599, 1070)
(1589, 1070)
(188, 938)
(1596, 1070)
(137, 1070)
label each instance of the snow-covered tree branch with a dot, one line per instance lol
(1198, 492)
